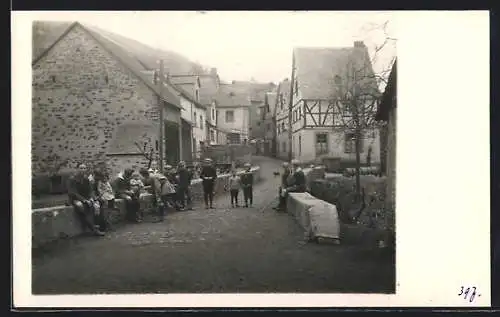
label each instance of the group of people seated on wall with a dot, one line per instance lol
(93, 193)
(293, 180)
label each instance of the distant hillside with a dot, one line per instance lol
(45, 33)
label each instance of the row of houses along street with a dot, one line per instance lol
(95, 96)
(100, 97)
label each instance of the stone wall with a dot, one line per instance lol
(81, 96)
(318, 219)
(54, 223)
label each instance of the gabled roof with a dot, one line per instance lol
(231, 96)
(388, 101)
(127, 58)
(188, 91)
(317, 67)
(208, 88)
(184, 79)
(45, 34)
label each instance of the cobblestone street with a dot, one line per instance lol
(221, 250)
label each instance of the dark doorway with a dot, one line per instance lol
(171, 143)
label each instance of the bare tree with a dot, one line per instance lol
(357, 90)
(147, 151)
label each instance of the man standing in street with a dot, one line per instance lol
(184, 181)
(208, 176)
(298, 184)
(152, 181)
(284, 184)
(247, 184)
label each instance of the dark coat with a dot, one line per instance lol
(299, 182)
(247, 179)
(208, 171)
(80, 188)
(184, 177)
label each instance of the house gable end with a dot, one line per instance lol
(81, 97)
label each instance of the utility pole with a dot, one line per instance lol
(290, 106)
(160, 107)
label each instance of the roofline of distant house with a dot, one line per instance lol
(185, 94)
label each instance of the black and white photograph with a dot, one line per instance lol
(215, 152)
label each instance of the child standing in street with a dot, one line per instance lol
(247, 184)
(234, 188)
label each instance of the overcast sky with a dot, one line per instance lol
(242, 44)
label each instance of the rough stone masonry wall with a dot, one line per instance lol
(81, 94)
(59, 222)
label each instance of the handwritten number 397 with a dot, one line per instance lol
(469, 291)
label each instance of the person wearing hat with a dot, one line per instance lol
(184, 178)
(284, 184)
(247, 184)
(297, 183)
(208, 176)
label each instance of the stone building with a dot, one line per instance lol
(91, 101)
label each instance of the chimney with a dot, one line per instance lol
(213, 71)
(359, 44)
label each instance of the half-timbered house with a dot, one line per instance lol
(323, 117)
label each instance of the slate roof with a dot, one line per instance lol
(232, 96)
(149, 56)
(115, 44)
(316, 68)
(208, 89)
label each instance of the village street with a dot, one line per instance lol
(220, 250)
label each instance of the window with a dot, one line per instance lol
(233, 138)
(300, 113)
(230, 116)
(268, 109)
(213, 114)
(283, 129)
(212, 135)
(350, 143)
(321, 143)
(201, 121)
(284, 146)
(296, 92)
(216, 115)
(194, 118)
(268, 127)
(197, 95)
